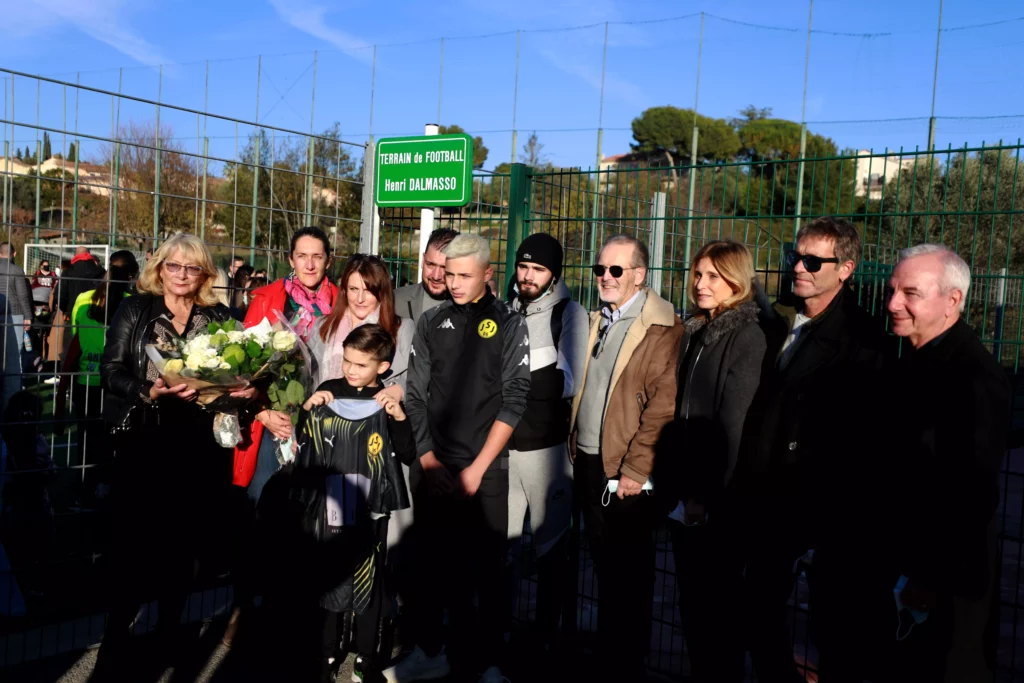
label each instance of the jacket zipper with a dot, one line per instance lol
(689, 381)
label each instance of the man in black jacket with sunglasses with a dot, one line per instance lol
(823, 360)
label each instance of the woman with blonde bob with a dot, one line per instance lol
(171, 478)
(719, 371)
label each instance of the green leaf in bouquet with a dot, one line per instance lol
(219, 339)
(288, 368)
(266, 354)
(294, 393)
(233, 353)
(228, 325)
(272, 393)
(213, 328)
(295, 419)
(253, 350)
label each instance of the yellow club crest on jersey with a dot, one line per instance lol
(487, 328)
(375, 445)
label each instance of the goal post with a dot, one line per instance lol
(36, 253)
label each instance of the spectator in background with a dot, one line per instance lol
(256, 282)
(411, 301)
(718, 373)
(149, 254)
(628, 396)
(241, 293)
(83, 275)
(223, 291)
(14, 285)
(236, 263)
(91, 316)
(43, 284)
(261, 273)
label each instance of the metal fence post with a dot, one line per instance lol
(800, 179)
(519, 193)
(657, 240)
(690, 198)
(369, 225)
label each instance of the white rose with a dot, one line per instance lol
(284, 341)
(193, 362)
(174, 365)
(212, 363)
(235, 336)
(224, 366)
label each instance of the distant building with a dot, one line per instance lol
(874, 170)
(92, 178)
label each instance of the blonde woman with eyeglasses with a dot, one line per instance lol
(171, 478)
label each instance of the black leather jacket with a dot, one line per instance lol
(123, 365)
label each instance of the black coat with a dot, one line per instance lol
(953, 414)
(718, 373)
(81, 277)
(808, 419)
(123, 365)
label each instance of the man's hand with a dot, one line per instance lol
(916, 597)
(469, 480)
(279, 424)
(628, 487)
(28, 323)
(160, 389)
(391, 406)
(439, 479)
(318, 398)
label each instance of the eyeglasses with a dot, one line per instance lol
(811, 262)
(616, 271)
(191, 271)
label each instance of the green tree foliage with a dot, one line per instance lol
(479, 150)
(665, 134)
(72, 152)
(969, 203)
(284, 183)
(47, 148)
(17, 154)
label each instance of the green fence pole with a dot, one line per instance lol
(206, 165)
(518, 213)
(74, 214)
(39, 189)
(7, 175)
(255, 198)
(800, 179)
(690, 198)
(115, 191)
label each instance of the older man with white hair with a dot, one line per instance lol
(950, 419)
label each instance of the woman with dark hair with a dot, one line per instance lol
(368, 297)
(240, 288)
(719, 370)
(302, 298)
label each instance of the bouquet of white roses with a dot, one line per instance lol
(227, 358)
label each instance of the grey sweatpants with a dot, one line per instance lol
(541, 482)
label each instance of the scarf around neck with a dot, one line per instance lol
(330, 368)
(311, 305)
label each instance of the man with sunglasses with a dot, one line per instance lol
(628, 396)
(824, 355)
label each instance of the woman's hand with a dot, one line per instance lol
(391, 406)
(279, 424)
(318, 398)
(249, 393)
(160, 389)
(394, 391)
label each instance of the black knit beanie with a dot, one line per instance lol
(543, 250)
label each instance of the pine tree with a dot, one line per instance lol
(28, 153)
(47, 149)
(72, 152)
(18, 154)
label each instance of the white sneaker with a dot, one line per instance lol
(493, 675)
(417, 666)
(51, 380)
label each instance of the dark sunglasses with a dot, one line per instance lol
(616, 271)
(811, 262)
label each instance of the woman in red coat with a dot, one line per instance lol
(303, 297)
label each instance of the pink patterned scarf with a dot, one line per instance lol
(334, 355)
(310, 306)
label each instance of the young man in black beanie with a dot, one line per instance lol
(539, 472)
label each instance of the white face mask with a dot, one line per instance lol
(918, 616)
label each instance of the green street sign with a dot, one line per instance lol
(427, 170)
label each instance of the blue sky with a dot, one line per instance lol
(851, 77)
